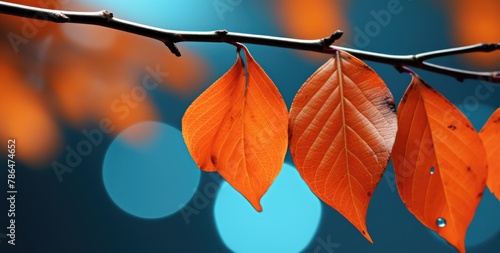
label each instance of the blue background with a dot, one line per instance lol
(94, 210)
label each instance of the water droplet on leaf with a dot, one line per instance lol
(432, 170)
(441, 222)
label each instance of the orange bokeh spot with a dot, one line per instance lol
(311, 19)
(30, 28)
(476, 22)
(92, 82)
(25, 117)
(92, 73)
(89, 87)
(185, 74)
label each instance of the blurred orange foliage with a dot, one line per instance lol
(311, 19)
(476, 22)
(26, 118)
(84, 74)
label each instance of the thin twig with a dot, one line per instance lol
(324, 45)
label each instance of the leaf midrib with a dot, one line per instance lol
(342, 105)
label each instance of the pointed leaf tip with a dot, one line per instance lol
(342, 127)
(439, 162)
(238, 127)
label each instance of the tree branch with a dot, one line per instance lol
(170, 37)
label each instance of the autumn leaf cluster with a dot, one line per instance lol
(342, 129)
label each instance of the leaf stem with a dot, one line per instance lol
(324, 45)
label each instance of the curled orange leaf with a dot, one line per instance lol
(238, 127)
(342, 128)
(439, 161)
(490, 135)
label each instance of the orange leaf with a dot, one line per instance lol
(439, 162)
(238, 127)
(490, 134)
(342, 129)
